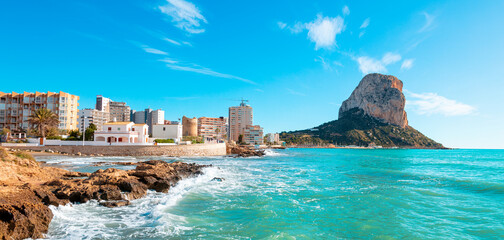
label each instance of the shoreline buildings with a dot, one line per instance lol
(189, 126)
(16, 108)
(212, 128)
(149, 117)
(94, 116)
(241, 124)
(122, 132)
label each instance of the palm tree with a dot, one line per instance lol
(42, 119)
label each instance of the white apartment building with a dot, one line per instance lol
(88, 116)
(273, 138)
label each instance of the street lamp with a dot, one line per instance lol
(83, 129)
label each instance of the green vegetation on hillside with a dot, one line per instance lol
(357, 128)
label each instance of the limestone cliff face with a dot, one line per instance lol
(379, 96)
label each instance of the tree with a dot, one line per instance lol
(240, 138)
(5, 131)
(73, 135)
(90, 132)
(43, 119)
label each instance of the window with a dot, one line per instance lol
(164, 129)
(133, 129)
(118, 129)
(109, 129)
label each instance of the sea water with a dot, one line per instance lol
(307, 194)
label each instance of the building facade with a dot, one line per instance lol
(96, 117)
(119, 112)
(16, 108)
(253, 135)
(212, 128)
(150, 117)
(102, 103)
(273, 138)
(189, 126)
(168, 131)
(123, 132)
(239, 118)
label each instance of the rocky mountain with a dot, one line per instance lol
(372, 115)
(379, 96)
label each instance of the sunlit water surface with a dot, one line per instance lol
(307, 194)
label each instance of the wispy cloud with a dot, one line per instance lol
(295, 92)
(390, 58)
(327, 64)
(206, 71)
(429, 20)
(168, 60)
(371, 65)
(407, 64)
(432, 103)
(322, 31)
(365, 24)
(281, 25)
(153, 50)
(185, 15)
(172, 41)
(346, 11)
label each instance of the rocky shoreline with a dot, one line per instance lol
(27, 189)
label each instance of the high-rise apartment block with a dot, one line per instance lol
(16, 108)
(102, 103)
(96, 117)
(150, 117)
(212, 128)
(119, 112)
(239, 118)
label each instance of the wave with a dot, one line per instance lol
(273, 153)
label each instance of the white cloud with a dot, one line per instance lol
(185, 15)
(362, 34)
(429, 20)
(365, 24)
(153, 50)
(206, 71)
(168, 60)
(407, 64)
(432, 103)
(171, 41)
(346, 11)
(390, 58)
(295, 92)
(327, 64)
(281, 25)
(371, 65)
(322, 31)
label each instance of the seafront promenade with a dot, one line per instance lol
(217, 149)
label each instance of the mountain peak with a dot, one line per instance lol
(379, 96)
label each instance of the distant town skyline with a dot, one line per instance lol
(295, 61)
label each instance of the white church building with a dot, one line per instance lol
(123, 132)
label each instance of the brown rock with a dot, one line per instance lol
(379, 96)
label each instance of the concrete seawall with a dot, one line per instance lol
(171, 150)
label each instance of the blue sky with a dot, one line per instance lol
(296, 61)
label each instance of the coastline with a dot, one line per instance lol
(218, 149)
(28, 188)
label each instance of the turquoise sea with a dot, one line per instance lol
(308, 194)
